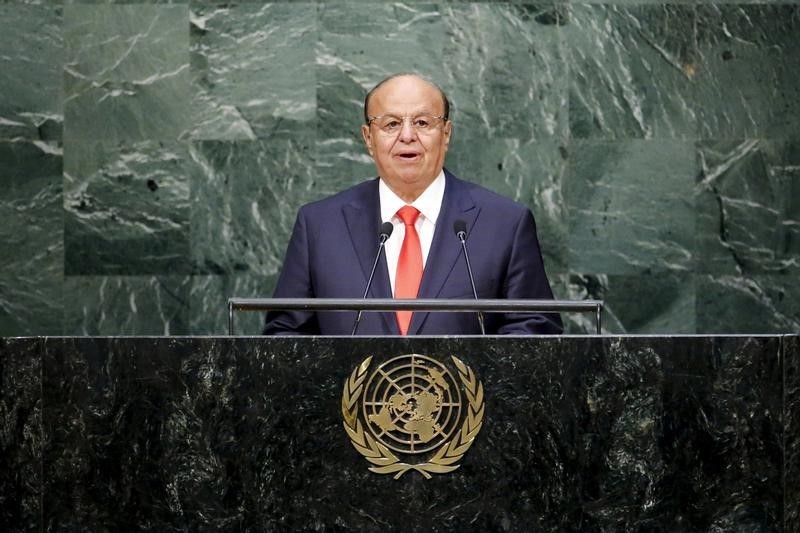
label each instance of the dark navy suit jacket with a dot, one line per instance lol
(333, 247)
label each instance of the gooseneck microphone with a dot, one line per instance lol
(460, 229)
(386, 231)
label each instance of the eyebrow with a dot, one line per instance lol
(414, 114)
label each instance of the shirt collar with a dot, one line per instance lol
(429, 203)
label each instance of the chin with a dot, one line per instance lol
(411, 173)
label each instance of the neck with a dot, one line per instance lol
(408, 196)
(408, 193)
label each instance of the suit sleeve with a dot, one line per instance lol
(526, 279)
(294, 282)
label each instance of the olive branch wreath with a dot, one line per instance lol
(385, 462)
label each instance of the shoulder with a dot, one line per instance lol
(359, 194)
(486, 198)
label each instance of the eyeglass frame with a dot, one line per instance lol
(443, 118)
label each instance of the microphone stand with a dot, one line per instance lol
(461, 233)
(386, 232)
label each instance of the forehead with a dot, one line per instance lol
(406, 94)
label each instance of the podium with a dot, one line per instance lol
(585, 433)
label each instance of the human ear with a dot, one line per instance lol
(365, 133)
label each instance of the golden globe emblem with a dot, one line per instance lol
(412, 405)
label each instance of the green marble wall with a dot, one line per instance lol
(153, 155)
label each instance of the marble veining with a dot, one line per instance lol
(654, 141)
(581, 433)
(21, 439)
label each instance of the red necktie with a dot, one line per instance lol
(409, 265)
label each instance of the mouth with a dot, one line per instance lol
(408, 156)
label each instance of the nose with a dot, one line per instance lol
(407, 131)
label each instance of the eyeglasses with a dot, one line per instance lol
(391, 124)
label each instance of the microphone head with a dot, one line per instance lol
(386, 231)
(459, 227)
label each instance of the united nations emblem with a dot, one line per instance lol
(412, 405)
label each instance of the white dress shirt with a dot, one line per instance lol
(428, 204)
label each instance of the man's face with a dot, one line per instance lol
(409, 160)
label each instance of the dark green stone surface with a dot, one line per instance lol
(244, 195)
(126, 72)
(31, 62)
(252, 70)
(656, 143)
(748, 207)
(631, 71)
(126, 208)
(505, 70)
(663, 302)
(747, 83)
(654, 433)
(630, 206)
(747, 304)
(31, 225)
(208, 303)
(791, 355)
(126, 305)
(20, 435)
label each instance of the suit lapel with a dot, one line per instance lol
(363, 220)
(445, 247)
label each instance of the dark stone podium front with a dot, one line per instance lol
(246, 434)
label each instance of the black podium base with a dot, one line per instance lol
(584, 433)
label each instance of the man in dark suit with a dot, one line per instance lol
(332, 248)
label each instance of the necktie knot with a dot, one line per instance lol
(408, 214)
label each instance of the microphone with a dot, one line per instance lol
(460, 229)
(386, 231)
